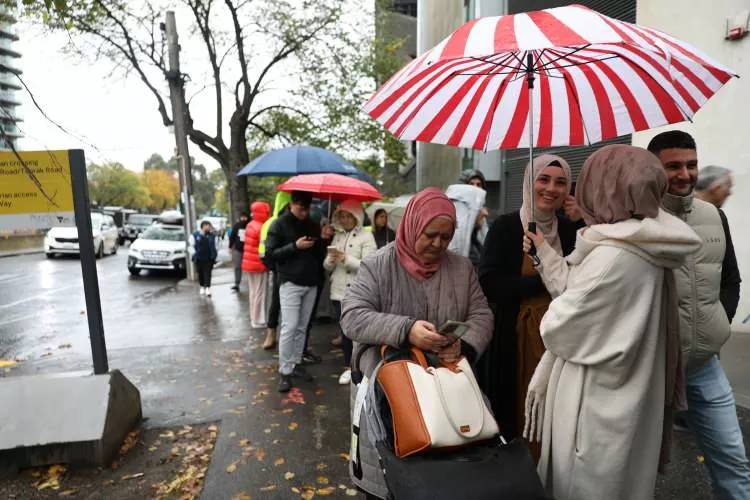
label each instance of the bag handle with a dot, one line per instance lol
(436, 378)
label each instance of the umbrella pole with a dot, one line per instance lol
(530, 80)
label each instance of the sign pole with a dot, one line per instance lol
(82, 207)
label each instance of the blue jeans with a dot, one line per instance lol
(712, 416)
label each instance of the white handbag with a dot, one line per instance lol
(434, 407)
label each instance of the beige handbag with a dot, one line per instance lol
(434, 407)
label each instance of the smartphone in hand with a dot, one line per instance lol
(454, 330)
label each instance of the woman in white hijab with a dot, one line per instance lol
(510, 281)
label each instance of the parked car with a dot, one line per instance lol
(64, 240)
(136, 224)
(160, 246)
(120, 215)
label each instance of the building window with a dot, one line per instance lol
(405, 7)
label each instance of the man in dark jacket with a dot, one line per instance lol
(237, 245)
(204, 256)
(297, 246)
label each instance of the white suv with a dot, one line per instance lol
(61, 240)
(160, 246)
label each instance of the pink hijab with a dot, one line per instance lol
(420, 211)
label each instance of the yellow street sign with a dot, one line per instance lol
(35, 190)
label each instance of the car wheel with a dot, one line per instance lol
(134, 271)
(100, 251)
(50, 255)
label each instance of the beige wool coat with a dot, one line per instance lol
(605, 397)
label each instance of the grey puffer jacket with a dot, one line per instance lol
(384, 302)
(701, 282)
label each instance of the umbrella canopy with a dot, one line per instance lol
(332, 187)
(577, 76)
(296, 160)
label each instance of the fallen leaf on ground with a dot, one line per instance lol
(287, 410)
(267, 431)
(321, 466)
(244, 442)
(130, 440)
(324, 492)
(322, 480)
(242, 496)
(260, 454)
(213, 428)
(270, 487)
(279, 461)
(700, 458)
(52, 478)
(68, 493)
(293, 426)
(168, 434)
(232, 434)
(132, 476)
(232, 467)
(289, 476)
(344, 456)
(308, 494)
(66, 345)
(351, 492)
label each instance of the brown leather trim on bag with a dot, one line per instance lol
(409, 430)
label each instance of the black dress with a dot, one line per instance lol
(504, 286)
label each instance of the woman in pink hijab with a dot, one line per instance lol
(404, 292)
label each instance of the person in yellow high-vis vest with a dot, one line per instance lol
(282, 200)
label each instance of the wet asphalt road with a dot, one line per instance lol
(42, 307)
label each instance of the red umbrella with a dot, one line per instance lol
(332, 187)
(556, 77)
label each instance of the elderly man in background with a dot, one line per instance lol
(714, 185)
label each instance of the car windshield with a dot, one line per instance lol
(140, 219)
(96, 220)
(160, 233)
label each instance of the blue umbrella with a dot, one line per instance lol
(296, 160)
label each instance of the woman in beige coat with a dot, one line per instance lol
(351, 243)
(612, 369)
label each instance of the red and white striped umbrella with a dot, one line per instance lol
(596, 78)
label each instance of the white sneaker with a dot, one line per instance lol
(208, 291)
(345, 377)
(203, 291)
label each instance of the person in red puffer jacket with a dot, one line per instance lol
(251, 264)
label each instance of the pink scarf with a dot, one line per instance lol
(420, 211)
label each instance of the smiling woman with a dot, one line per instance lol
(512, 283)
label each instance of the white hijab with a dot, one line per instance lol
(545, 221)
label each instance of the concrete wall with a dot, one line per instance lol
(437, 165)
(721, 127)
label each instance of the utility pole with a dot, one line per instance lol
(179, 111)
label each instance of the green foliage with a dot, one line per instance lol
(292, 71)
(113, 184)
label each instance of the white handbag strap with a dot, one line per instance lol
(436, 377)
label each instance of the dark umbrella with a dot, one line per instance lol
(296, 160)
